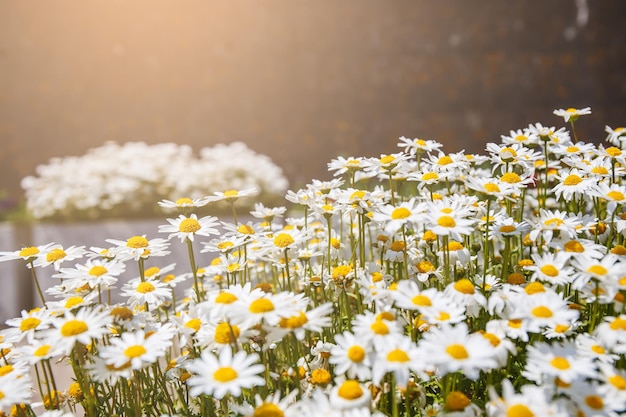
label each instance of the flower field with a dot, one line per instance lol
(417, 283)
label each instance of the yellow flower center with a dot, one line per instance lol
(457, 351)
(457, 401)
(574, 246)
(226, 333)
(134, 351)
(6, 369)
(29, 323)
(73, 301)
(519, 410)
(152, 271)
(507, 228)
(294, 322)
(455, 246)
(400, 213)
(357, 195)
(184, 201)
(282, 240)
(510, 178)
(542, 312)
(421, 300)
(572, 179)
(598, 349)
(194, 324)
(377, 277)
(520, 138)
(430, 176)
(556, 222)
(29, 251)
(420, 142)
(560, 362)
(615, 195)
(600, 170)
(572, 149)
(387, 159)
(189, 226)
(446, 221)
(464, 286)
(397, 245)
(350, 390)
(549, 270)
(595, 402)
(122, 313)
(443, 316)
(491, 188)
(341, 271)
(145, 287)
(618, 382)
(619, 250)
(225, 374)
(597, 270)
(320, 376)
(613, 151)
(137, 242)
(225, 298)
(356, 353)
(492, 338)
(245, 229)
(444, 160)
(268, 410)
(425, 267)
(42, 350)
(534, 288)
(74, 328)
(261, 305)
(55, 255)
(618, 324)
(97, 271)
(379, 327)
(515, 323)
(397, 355)
(231, 193)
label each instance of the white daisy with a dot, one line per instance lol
(138, 247)
(351, 356)
(224, 374)
(184, 227)
(85, 326)
(138, 348)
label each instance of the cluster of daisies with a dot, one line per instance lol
(419, 283)
(122, 180)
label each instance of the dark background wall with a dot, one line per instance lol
(301, 81)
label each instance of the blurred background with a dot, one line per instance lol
(300, 81)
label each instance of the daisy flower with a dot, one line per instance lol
(83, 327)
(183, 203)
(591, 400)
(14, 389)
(612, 333)
(520, 137)
(37, 352)
(616, 136)
(613, 382)
(551, 221)
(546, 362)
(417, 146)
(370, 327)
(548, 134)
(151, 292)
(572, 184)
(184, 227)
(218, 334)
(545, 309)
(447, 222)
(264, 307)
(614, 194)
(272, 405)
(138, 247)
(313, 320)
(588, 346)
(225, 374)
(551, 268)
(351, 356)
(27, 326)
(30, 254)
(532, 401)
(56, 255)
(398, 355)
(93, 273)
(464, 293)
(571, 114)
(394, 217)
(349, 394)
(341, 165)
(232, 195)
(451, 348)
(267, 213)
(135, 347)
(605, 269)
